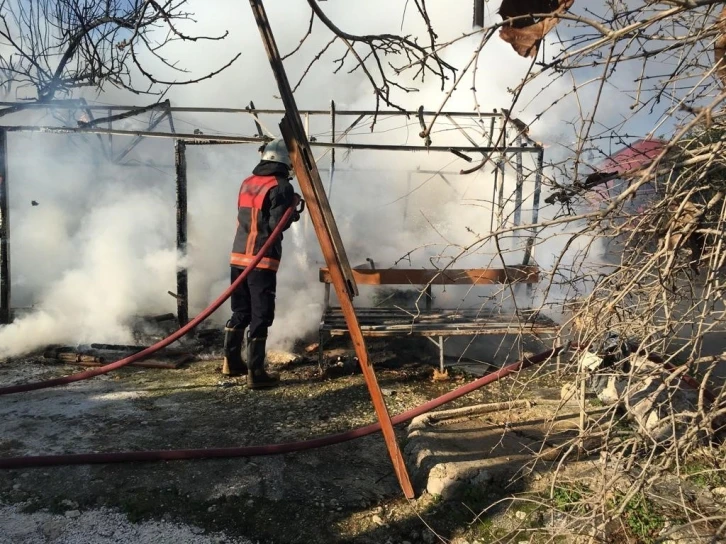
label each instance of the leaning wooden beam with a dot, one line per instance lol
(5, 314)
(132, 113)
(330, 243)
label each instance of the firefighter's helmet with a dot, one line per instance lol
(276, 151)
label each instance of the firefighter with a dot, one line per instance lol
(263, 199)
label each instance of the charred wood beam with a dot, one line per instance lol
(141, 133)
(136, 111)
(140, 137)
(478, 13)
(257, 121)
(5, 313)
(89, 113)
(182, 287)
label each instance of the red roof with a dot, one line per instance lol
(632, 157)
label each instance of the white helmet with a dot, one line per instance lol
(276, 151)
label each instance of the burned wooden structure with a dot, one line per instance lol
(436, 324)
(507, 157)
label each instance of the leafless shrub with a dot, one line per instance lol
(51, 47)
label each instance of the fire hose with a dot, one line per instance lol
(280, 448)
(176, 335)
(271, 449)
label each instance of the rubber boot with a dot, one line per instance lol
(257, 377)
(233, 364)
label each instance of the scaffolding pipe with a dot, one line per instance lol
(66, 104)
(210, 138)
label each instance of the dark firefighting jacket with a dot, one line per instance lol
(263, 199)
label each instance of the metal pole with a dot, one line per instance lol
(5, 313)
(182, 288)
(494, 198)
(332, 152)
(110, 136)
(520, 186)
(537, 186)
(405, 200)
(529, 252)
(500, 204)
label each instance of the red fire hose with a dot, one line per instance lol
(169, 339)
(269, 449)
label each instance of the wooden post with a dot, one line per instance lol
(182, 287)
(327, 231)
(478, 13)
(5, 313)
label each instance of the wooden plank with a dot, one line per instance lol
(464, 276)
(330, 243)
(397, 322)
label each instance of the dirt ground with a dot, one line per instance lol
(341, 493)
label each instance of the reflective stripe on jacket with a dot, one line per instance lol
(263, 198)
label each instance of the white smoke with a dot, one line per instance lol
(99, 247)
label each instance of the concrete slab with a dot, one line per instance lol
(487, 444)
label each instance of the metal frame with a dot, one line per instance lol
(91, 127)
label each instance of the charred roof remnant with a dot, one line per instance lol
(719, 48)
(531, 21)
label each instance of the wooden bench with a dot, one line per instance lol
(434, 324)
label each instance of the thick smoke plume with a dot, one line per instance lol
(98, 249)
